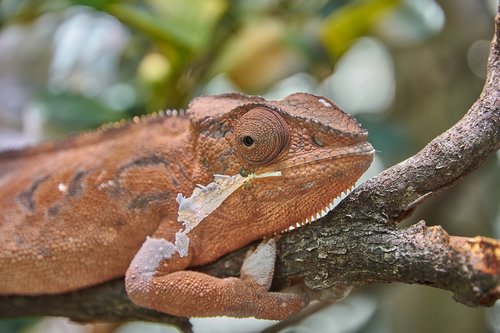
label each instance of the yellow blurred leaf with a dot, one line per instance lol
(154, 68)
(342, 27)
(184, 24)
(259, 56)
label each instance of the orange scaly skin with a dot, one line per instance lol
(76, 213)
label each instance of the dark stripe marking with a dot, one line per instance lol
(26, 197)
(119, 223)
(53, 210)
(153, 159)
(75, 186)
(142, 202)
(183, 173)
(143, 161)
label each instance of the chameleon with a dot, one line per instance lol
(156, 196)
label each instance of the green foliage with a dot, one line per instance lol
(255, 44)
(344, 26)
(71, 113)
(18, 325)
(185, 26)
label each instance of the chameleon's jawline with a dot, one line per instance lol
(321, 212)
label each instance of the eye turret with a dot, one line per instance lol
(261, 135)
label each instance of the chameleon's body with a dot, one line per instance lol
(75, 213)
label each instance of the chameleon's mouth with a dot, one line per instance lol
(321, 212)
(320, 172)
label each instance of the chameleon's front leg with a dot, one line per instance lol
(194, 294)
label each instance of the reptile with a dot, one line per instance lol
(153, 197)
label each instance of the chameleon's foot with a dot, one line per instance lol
(194, 294)
(257, 272)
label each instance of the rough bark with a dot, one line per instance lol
(358, 243)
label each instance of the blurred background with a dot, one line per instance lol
(407, 69)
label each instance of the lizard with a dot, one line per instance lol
(120, 201)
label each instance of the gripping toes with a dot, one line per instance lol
(253, 301)
(194, 294)
(256, 277)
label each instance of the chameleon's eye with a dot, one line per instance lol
(261, 135)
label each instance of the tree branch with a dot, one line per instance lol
(358, 243)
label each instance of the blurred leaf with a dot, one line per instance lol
(259, 56)
(16, 325)
(26, 11)
(96, 4)
(186, 25)
(343, 26)
(413, 22)
(163, 30)
(73, 113)
(196, 18)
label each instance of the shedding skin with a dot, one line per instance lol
(81, 211)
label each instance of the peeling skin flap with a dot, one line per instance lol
(204, 200)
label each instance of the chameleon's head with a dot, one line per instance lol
(311, 149)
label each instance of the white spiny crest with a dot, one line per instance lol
(322, 212)
(172, 112)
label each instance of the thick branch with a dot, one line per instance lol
(359, 253)
(358, 243)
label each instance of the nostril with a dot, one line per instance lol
(318, 142)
